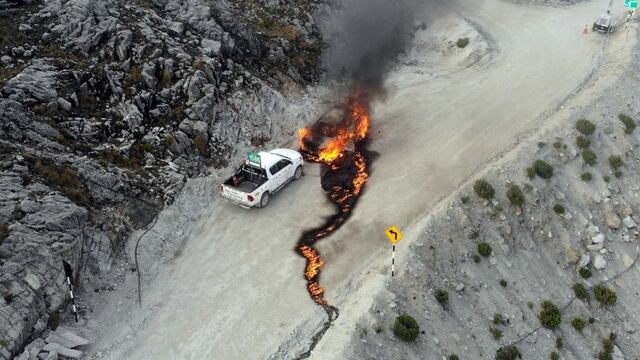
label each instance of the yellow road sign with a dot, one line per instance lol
(394, 234)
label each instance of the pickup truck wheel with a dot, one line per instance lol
(298, 174)
(264, 200)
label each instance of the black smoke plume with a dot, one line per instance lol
(365, 37)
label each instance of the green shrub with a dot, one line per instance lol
(508, 353)
(550, 315)
(585, 126)
(531, 173)
(604, 295)
(464, 199)
(581, 291)
(618, 173)
(406, 328)
(498, 319)
(607, 347)
(606, 178)
(583, 142)
(503, 283)
(442, 296)
(497, 333)
(585, 272)
(557, 145)
(484, 249)
(542, 144)
(453, 357)
(462, 42)
(589, 157)
(586, 176)
(554, 356)
(628, 122)
(483, 189)
(515, 195)
(559, 342)
(558, 209)
(615, 162)
(578, 323)
(530, 304)
(543, 169)
(476, 258)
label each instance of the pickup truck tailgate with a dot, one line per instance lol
(233, 194)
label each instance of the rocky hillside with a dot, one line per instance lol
(107, 107)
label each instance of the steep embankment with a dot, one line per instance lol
(106, 108)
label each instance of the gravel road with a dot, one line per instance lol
(236, 291)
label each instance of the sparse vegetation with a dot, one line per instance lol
(515, 195)
(484, 249)
(110, 156)
(628, 122)
(508, 353)
(134, 76)
(608, 344)
(559, 342)
(606, 178)
(583, 142)
(615, 162)
(589, 157)
(483, 189)
(558, 209)
(503, 283)
(586, 176)
(585, 126)
(498, 319)
(530, 305)
(604, 295)
(531, 172)
(578, 323)
(585, 272)
(497, 333)
(200, 143)
(462, 42)
(453, 357)
(557, 144)
(64, 178)
(554, 356)
(477, 258)
(550, 315)
(442, 296)
(581, 291)
(4, 231)
(542, 144)
(543, 169)
(464, 199)
(406, 328)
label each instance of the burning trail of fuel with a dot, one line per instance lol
(341, 149)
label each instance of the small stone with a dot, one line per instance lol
(24, 27)
(460, 287)
(493, 261)
(595, 247)
(64, 104)
(5, 59)
(17, 51)
(598, 239)
(628, 222)
(584, 260)
(599, 262)
(613, 221)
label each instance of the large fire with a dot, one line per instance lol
(340, 147)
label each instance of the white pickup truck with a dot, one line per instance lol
(261, 176)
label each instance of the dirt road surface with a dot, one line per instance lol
(236, 289)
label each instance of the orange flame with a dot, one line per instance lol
(353, 128)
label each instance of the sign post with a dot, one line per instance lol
(68, 272)
(395, 236)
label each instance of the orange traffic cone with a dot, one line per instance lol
(586, 29)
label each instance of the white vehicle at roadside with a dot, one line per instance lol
(261, 176)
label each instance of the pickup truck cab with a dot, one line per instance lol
(261, 176)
